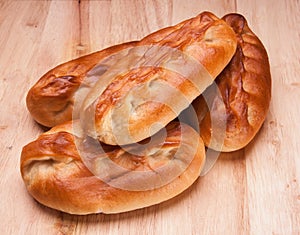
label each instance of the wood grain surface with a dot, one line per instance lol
(252, 191)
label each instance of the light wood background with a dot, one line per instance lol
(252, 191)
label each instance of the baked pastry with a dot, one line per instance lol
(239, 103)
(56, 175)
(67, 168)
(50, 101)
(122, 102)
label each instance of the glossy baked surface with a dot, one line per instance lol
(206, 38)
(55, 170)
(241, 100)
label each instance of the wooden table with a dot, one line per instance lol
(252, 191)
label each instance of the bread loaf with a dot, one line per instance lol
(50, 101)
(121, 92)
(56, 175)
(119, 110)
(240, 101)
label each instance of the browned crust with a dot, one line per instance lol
(245, 88)
(206, 38)
(50, 100)
(55, 175)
